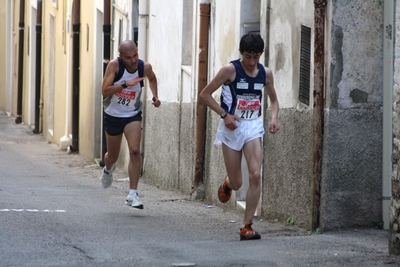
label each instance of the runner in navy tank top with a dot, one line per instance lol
(241, 128)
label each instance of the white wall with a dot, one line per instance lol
(164, 47)
(286, 20)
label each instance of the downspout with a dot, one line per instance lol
(106, 60)
(38, 66)
(267, 31)
(75, 74)
(9, 55)
(142, 50)
(142, 31)
(387, 138)
(20, 60)
(318, 109)
(65, 140)
(201, 83)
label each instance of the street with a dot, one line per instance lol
(54, 212)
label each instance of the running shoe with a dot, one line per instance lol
(247, 233)
(224, 192)
(133, 201)
(107, 177)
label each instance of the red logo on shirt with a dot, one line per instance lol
(127, 94)
(248, 104)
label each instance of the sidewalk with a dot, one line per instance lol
(348, 247)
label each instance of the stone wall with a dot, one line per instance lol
(394, 213)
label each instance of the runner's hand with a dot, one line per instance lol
(273, 126)
(229, 121)
(156, 101)
(134, 81)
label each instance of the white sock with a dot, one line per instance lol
(108, 171)
(132, 192)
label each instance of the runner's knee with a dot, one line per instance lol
(134, 152)
(235, 184)
(255, 178)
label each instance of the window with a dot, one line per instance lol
(120, 31)
(305, 65)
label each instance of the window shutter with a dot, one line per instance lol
(305, 58)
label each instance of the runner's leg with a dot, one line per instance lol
(233, 159)
(253, 155)
(113, 147)
(133, 134)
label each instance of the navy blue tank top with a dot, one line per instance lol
(243, 96)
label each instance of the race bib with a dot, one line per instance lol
(125, 98)
(248, 109)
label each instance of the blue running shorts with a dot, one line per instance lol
(115, 125)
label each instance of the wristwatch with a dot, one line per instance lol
(124, 84)
(223, 114)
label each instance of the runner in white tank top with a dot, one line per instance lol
(124, 114)
(126, 103)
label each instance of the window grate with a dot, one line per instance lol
(305, 65)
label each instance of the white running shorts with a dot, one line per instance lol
(246, 131)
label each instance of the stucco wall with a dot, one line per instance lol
(351, 183)
(55, 79)
(394, 245)
(90, 88)
(168, 130)
(286, 18)
(287, 169)
(352, 147)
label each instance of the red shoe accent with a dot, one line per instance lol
(224, 192)
(247, 233)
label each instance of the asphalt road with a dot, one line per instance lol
(54, 212)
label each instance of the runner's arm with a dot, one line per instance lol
(108, 88)
(148, 72)
(270, 89)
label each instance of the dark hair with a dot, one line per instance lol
(252, 43)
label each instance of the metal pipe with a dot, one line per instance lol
(201, 83)
(20, 60)
(38, 69)
(9, 55)
(142, 42)
(106, 60)
(318, 110)
(75, 74)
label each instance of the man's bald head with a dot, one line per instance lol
(125, 46)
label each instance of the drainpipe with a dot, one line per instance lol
(387, 138)
(267, 35)
(142, 31)
(38, 65)
(20, 60)
(65, 140)
(9, 55)
(106, 60)
(318, 109)
(142, 50)
(201, 83)
(75, 74)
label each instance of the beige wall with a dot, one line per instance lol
(56, 72)
(3, 58)
(87, 72)
(54, 66)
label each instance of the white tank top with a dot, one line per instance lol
(128, 102)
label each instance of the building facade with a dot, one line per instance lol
(325, 167)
